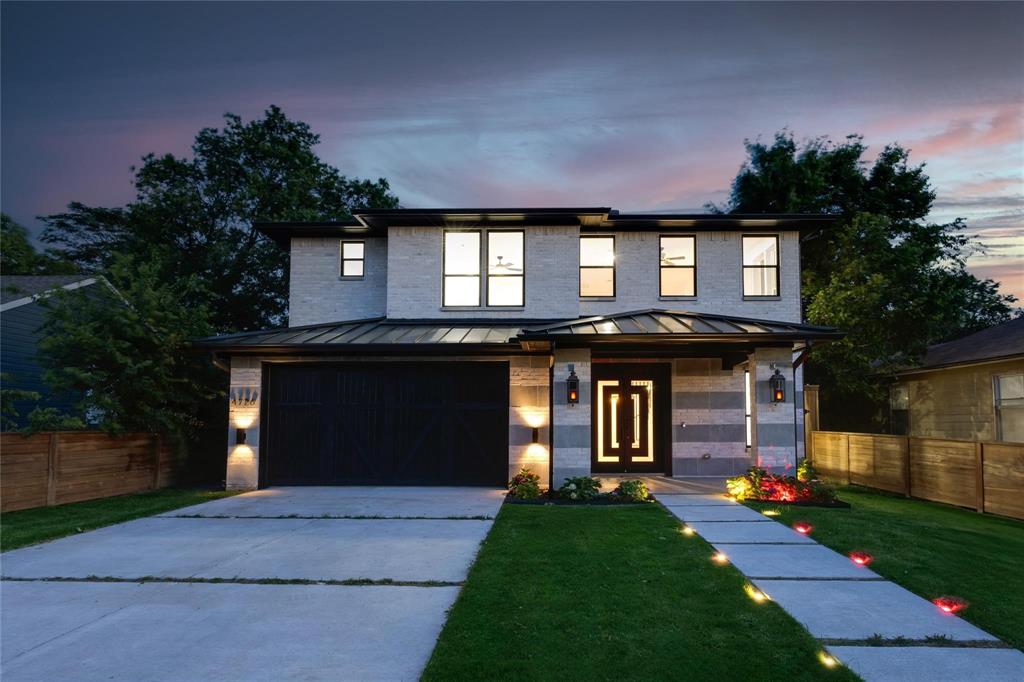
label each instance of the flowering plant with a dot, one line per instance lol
(580, 488)
(758, 484)
(634, 489)
(525, 485)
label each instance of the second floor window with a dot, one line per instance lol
(464, 255)
(352, 259)
(597, 267)
(761, 265)
(678, 266)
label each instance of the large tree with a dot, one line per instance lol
(884, 274)
(194, 216)
(19, 257)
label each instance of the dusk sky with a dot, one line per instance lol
(638, 107)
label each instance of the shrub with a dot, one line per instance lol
(580, 488)
(525, 485)
(634, 489)
(758, 484)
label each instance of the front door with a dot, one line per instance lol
(627, 418)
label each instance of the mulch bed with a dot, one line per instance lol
(602, 500)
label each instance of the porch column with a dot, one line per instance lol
(571, 424)
(528, 396)
(775, 424)
(244, 414)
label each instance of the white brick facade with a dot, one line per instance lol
(318, 293)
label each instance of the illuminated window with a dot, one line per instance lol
(1009, 399)
(461, 269)
(352, 255)
(463, 255)
(505, 268)
(678, 266)
(747, 405)
(761, 265)
(597, 266)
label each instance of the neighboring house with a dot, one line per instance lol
(454, 346)
(970, 389)
(21, 316)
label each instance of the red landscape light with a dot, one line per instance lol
(803, 527)
(861, 558)
(950, 605)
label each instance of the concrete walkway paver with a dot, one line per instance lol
(837, 600)
(87, 630)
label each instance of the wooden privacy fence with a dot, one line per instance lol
(986, 476)
(53, 468)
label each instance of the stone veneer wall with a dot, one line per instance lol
(571, 454)
(708, 425)
(775, 437)
(243, 460)
(529, 395)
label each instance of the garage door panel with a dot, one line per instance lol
(395, 423)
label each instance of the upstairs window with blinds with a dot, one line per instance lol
(597, 267)
(678, 266)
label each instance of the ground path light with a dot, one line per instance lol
(950, 605)
(827, 659)
(803, 527)
(861, 558)
(720, 558)
(755, 594)
(687, 530)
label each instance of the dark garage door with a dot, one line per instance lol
(408, 423)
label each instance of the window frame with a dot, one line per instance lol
(342, 260)
(661, 293)
(777, 267)
(997, 402)
(613, 266)
(486, 248)
(483, 274)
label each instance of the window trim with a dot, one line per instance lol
(777, 267)
(997, 401)
(613, 266)
(342, 259)
(661, 293)
(483, 290)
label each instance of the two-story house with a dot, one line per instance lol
(454, 346)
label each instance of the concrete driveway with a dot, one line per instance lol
(284, 583)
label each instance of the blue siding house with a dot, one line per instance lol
(21, 317)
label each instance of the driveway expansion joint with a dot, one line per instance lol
(347, 582)
(327, 517)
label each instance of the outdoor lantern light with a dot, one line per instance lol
(572, 387)
(239, 436)
(777, 383)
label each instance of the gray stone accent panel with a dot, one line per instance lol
(571, 454)
(529, 395)
(243, 460)
(775, 436)
(708, 427)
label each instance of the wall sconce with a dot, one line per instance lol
(536, 435)
(777, 384)
(239, 436)
(572, 387)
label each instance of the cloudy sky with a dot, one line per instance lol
(638, 106)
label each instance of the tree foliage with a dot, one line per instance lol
(19, 257)
(194, 217)
(884, 274)
(126, 352)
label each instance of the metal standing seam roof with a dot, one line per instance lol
(651, 324)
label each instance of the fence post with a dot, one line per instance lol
(52, 462)
(906, 467)
(846, 449)
(979, 474)
(155, 440)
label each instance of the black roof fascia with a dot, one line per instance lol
(282, 233)
(698, 222)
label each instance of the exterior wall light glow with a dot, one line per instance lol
(572, 387)
(777, 384)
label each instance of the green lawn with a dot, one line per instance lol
(931, 549)
(613, 593)
(30, 526)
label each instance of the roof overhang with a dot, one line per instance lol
(375, 222)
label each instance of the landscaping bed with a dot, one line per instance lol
(605, 499)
